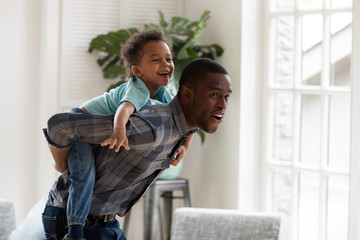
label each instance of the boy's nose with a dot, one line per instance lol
(164, 62)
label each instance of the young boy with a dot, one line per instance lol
(148, 61)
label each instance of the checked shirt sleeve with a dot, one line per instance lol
(64, 128)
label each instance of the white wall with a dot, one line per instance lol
(212, 168)
(19, 47)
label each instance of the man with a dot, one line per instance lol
(154, 134)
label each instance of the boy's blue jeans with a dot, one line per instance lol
(55, 227)
(81, 164)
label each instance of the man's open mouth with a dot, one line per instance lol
(218, 116)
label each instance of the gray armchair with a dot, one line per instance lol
(219, 224)
(7, 218)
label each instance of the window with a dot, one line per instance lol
(308, 116)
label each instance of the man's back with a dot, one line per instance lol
(123, 177)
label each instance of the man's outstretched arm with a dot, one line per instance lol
(64, 128)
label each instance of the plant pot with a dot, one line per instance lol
(172, 172)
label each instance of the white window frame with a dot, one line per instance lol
(252, 143)
(354, 206)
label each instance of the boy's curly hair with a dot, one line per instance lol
(131, 52)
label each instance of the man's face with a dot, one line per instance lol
(209, 102)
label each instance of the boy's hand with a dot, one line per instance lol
(179, 153)
(118, 139)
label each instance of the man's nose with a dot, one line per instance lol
(222, 103)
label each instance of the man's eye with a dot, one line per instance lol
(213, 94)
(169, 59)
(156, 60)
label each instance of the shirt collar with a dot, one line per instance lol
(160, 92)
(179, 117)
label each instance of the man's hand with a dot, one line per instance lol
(117, 139)
(180, 152)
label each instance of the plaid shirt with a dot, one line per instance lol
(121, 177)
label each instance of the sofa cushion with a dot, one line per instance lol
(31, 226)
(7, 218)
(221, 224)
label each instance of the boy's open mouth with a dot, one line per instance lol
(164, 73)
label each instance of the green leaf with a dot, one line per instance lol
(180, 65)
(102, 61)
(114, 71)
(202, 136)
(162, 23)
(196, 29)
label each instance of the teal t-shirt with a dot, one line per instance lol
(134, 91)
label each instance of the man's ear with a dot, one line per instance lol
(187, 92)
(136, 71)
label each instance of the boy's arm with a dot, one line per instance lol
(180, 152)
(118, 138)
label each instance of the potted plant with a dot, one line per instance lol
(181, 31)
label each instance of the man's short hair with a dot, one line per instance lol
(196, 71)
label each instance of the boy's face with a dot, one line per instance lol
(155, 67)
(208, 102)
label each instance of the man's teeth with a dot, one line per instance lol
(219, 117)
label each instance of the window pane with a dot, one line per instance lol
(309, 206)
(310, 4)
(339, 132)
(337, 214)
(283, 51)
(341, 3)
(281, 196)
(282, 5)
(282, 129)
(310, 130)
(312, 28)
(340, 51)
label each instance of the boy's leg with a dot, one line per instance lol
(60, 156)
(81, 163)
(64, 128)
(99, 230)
(54, 222)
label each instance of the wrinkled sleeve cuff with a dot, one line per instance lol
(53, 143)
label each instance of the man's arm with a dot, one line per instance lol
(64, 128)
